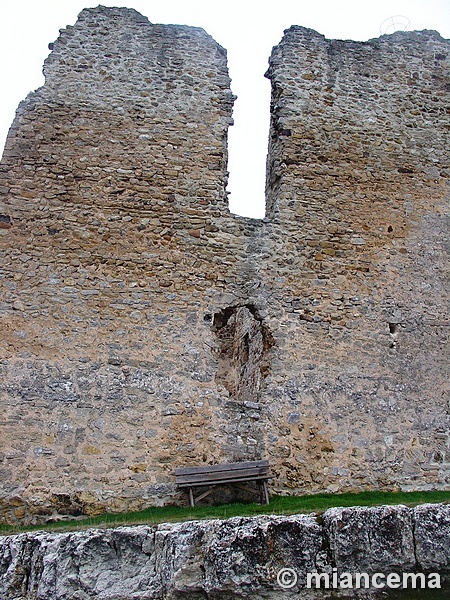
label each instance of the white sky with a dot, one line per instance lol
(248, 30)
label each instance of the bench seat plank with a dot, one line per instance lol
(257, 473)
(221, 467)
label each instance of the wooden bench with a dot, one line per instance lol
(229, 473)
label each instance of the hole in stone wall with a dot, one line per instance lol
(393, 327)
(393, 331)
(5, 222)
(244, 342)
(65, 504)
(221, 318)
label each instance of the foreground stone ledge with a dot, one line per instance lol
(232, 558)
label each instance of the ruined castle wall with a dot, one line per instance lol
(358, 173)
(144, 327)
(118, 249)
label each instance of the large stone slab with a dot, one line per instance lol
(225, 559)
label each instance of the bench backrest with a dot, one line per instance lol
(255, 469)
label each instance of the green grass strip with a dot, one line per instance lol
(279, 505)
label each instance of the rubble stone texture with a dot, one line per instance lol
(144, 327)
(227, 559)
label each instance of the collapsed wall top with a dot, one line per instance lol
(347, 113)
(130, 113)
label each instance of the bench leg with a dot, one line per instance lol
(266, 492)
(191, 498)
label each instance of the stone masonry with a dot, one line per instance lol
(144, 327)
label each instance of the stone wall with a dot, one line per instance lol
(144, 327)
(234, 558)
(357, 190)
